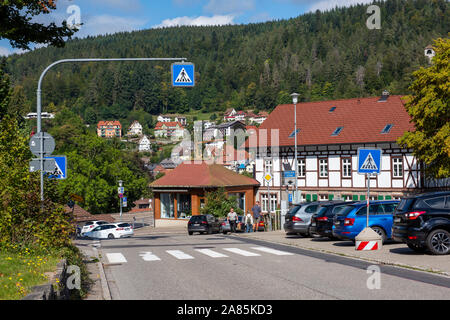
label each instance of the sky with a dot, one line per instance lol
(100, 17)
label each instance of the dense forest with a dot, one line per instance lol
(321, 55)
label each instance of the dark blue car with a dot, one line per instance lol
(349, 222)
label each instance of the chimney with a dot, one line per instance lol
(384, 96)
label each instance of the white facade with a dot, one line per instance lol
(144, 144)
(330, 172)
(163, 118)
(135, 129)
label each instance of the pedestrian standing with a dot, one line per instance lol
(232, 217)
(248, 222)
(256, 209)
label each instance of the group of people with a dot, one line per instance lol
(251, 221)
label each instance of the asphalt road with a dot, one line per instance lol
(179, 267)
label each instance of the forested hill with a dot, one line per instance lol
(321, 55)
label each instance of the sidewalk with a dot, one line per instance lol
(391, 253)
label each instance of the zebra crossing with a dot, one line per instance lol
(149, 256)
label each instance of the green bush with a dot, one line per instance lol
(218, 203)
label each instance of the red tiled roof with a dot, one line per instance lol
(193, 175)
(171, 124)
(109, 123)
(82, 215)
(362, 120)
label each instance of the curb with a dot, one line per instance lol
(105, 287)
(378, 261)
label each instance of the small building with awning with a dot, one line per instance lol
(182, 192)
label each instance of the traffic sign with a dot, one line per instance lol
(289, 174)
(124, 201)
(49, 165)
(369, 161)
(48, 144)
(120, 195)
(268, 177)
(120, 189)
(60, 171)
(183, 74)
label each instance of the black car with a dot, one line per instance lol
(423, 222)
(205, 223)
(322, 220)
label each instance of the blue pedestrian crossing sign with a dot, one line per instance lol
(369, 161)
(60, 171)
(183, 74)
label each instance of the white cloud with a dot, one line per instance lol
(215, 20)
(325, 5)
(108, 24)
(229, 6)
(4, 52)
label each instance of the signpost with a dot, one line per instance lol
(60, 169)
(369, 162)
(183, 74)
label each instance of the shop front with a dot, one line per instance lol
(181, 193)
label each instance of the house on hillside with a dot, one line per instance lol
(135, 129)
(144, 144)
(258, 118)
(169, 130)
(233, 115)
(329, 134)
(172, 118)
(109, 129)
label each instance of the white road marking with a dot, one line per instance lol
(116, 258)
(179, 254)
(148, 256)
(273, 251)
(242, 252)
(212, 253)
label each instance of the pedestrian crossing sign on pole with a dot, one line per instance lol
(369, 161)
(183, 74)
(60, 171)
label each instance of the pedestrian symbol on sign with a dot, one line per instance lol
(183, 77)
(369, 163)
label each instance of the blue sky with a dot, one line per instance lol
(109, 16)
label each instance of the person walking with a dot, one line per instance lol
(256, 209)
(248, 222)
(232, 217)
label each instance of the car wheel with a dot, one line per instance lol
(416, 247)
(438, 242)
(381, 233)
(110, 236)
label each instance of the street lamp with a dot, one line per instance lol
(295, 100)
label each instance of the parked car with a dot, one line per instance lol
(110, 231)
(205, 223)
(90, 225)
(350, 221)
(298, 218)
(423, 222)
(322, 220)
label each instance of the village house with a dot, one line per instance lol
(172, 118)
(329, 134)
(135, 129)
(109, 129)
(169, 130)
(144, 144)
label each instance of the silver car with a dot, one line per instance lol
(298, 219)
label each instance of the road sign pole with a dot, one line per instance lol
(39, 93)
(368, 199)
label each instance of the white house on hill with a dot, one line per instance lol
(144, 144)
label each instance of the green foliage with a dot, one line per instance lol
(219, 204)
(429, 107)
(16, 16)
(330, 55)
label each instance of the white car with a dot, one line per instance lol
(90, 225)
(111, 231)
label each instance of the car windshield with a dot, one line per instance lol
(344, 211)
(197, 219)
(294, 210)
(322, 211)
(405, 204)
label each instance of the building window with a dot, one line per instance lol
(323, 168)
(268, 166)
(273, 202)
(301, 168)
(264, 203)
(323, 197)
(346, 168)
(397, 167)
